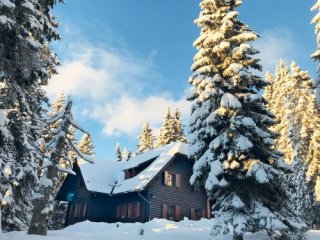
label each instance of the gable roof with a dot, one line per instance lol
(108, 176)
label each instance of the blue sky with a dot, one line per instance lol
(125, 61)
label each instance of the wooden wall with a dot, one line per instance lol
(184, 196)
(103, 207)
(81, 201)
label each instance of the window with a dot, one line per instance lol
(171, 179)
(78, 210)
(197, 214)
(171, 212)
(73, 211)
(127, 174)
(130, 173)
(134, 210)
(124, 210)
(130, 210)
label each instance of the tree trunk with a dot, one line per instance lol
(42, 202)
(41, 206)
(238, 237)
(1, 234)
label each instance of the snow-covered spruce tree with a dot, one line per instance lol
(313, 159)
(178, 132)
(146, 139)
(313, 173)
(268, 91)
(276, 102)
(26, 63)
(230, 139)
(300, 109)
(86, 145)
(316, 54)
(166, 135)
(44, 192)
(125, 154)
(130, 155)
(295, 110)
(6, 180)
(118, 153)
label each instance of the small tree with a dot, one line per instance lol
(130, 155)
(178, 132)
(125, 154)
(86, 145)
(118, 153)
(43, 197)
(268, 91)
(146, 139)
(166, 135)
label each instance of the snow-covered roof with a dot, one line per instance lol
(100, 176)
(108, 176)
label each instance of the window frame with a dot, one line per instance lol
(171, 212)
(171, 179)
(130, 210)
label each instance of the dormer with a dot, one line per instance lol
(136, 169)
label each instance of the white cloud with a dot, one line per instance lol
(114, 88)
(129, 113)
(275, 44)
(96, 73)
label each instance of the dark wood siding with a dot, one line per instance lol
(130, 198)
(184, 196)
(101, 208)
(79, 206)
(179, 200)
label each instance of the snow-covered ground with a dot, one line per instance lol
(157, 229)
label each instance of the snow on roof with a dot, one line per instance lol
(142, 179)
(100, 176)
(103, 175)
(146, 156)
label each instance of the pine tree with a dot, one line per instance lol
(178, 132)
(118, 153)
(230, 137)
(124, 154)
(296, 113)
(297, 109)
(268, 91)
(130, 155)
(276, 105)
(6, 176)
(316, 54)
(313, 159)
(26, 64)
(86, 145)
(166, 135)
(45, 191)
(59, 103)
(146, 139)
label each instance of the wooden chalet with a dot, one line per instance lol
(154, 184)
